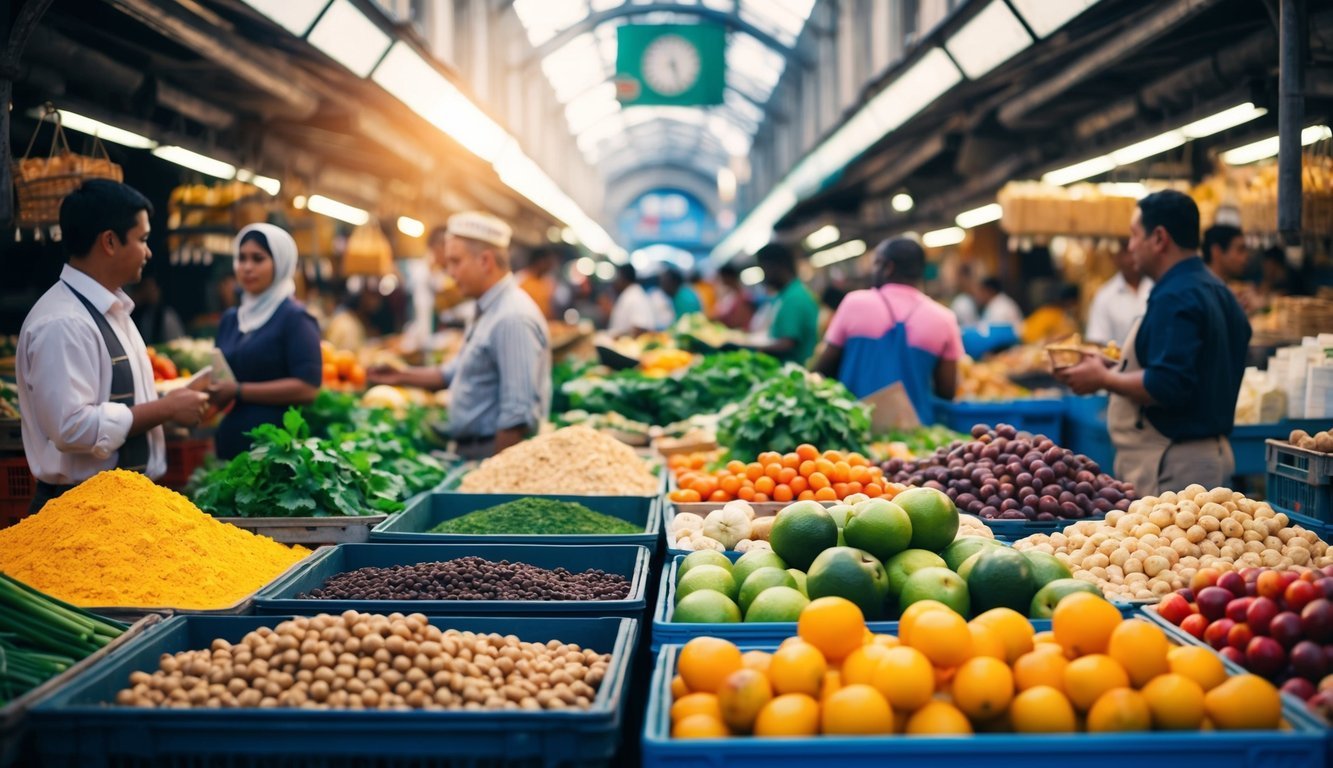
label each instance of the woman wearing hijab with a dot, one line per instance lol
(270, 342)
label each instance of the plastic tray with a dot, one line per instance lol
(1301, 746)
(1300, 480)
(1249, 442)
(632, 562)
(13, 716)
(1040, 417)
(75, 727)
(310, 530)
(424, 513)
(1085, 429)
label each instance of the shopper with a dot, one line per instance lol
(996, 306)
(794, 328)
(270, 342)
(632, 312)
(964, 305)
(1173, 396)
(1118, 303)
(895, 333)
(537, 279)
(734, 307)
(500, 383)
(1228, 259)
(354, 322)
(684, 299)
(85, 383)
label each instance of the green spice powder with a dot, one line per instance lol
(539, 517)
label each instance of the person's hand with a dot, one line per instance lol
(1085, 377)
(384, 374)
(221, 394)
(187, 406)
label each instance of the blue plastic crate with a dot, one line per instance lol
(1300, 480)
(1040, 417)
(412, 524)
(1300, 747)
(629, 561)
(1010, 531)
(76, 727)
(1085, 429)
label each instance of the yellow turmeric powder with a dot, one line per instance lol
(121, 540)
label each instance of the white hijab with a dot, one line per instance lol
(257, 308)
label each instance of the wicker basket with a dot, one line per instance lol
(43, 183)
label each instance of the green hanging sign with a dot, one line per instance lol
(677, 65)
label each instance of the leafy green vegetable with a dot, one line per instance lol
(796, 407)
(535, 515)
(40, 637)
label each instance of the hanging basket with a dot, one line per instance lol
(368, 252)
(42, 183)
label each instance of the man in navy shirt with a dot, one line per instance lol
(1173, 397)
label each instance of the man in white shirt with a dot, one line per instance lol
(1118, 303)
(633, 312)
(85, 383)
(997, 307)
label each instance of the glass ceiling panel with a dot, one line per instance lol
(544, 18)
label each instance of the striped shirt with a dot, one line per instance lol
(502, 377)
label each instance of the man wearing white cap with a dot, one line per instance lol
(500, 383)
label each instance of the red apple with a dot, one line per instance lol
(1307, 660)
(1233, 583)
(1250, 573)
(1239, 636)
(1288, 577)
(1239, 608)
(1195, 624)
(1204, 577)
(1216, 634)
(1234, 656)
(1301, 593)
(1317, 620)
(1260, 615)
(1270, 584)
(1300, 688)
(1213, 602)
(1186, 593)
(1310, 575)
(1286, 629)
(1174, 608)
(1265, 656)
(1326, 585)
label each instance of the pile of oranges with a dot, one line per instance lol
(943, 675)
(341, 369)
(804, 474)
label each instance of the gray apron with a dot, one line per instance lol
(1151, 460)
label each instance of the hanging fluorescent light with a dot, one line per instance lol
(103, 131)
(902, 202)
(1266, 148)
(349, 38)
(195, 161)
(411, 227)
(941, 238)
(606, 270)
(295, 16)
(821, 237)
(1123, 189)
(1046, 16)
(336, 210)
(586, 266)
(266, 183)
(978, 216)
(1158, 144)
(848, 250)
(1230, 118)
(988, 40)
(752, 275)
(1079, 171)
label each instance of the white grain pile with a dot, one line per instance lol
(575, 460)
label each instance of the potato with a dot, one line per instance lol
(1323, 442)
(1297, 435)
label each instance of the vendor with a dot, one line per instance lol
(1173, 396)
(684, 299)
(997, 307)
(894, 332)
(1228, 259)
(85, 382)
(1118, 303)
(793, 329)
(500, 384)
(632, 312)
(270, 342)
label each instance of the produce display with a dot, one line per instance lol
(576, 460)
(120, 540)
(536, 516)
(1003, 474)
(1278, 624)
(9, 401)
(1320, 441)
(634, 433)
(793, 407)
(803, 474)
(189, 355)
(341, 368)
(987, 381)
(658, 363)
(367, 661)
(911, 444)
(471, 578)
(943, 675)
(163, 367)
(1160, 544)
(883, 556)
(40, 637)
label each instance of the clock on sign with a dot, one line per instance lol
(671, 65)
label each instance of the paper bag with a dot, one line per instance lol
(893, 409)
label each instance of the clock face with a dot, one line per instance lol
(671, 65)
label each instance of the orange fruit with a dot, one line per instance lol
(985, 641)
(873, 490)
(1121, 709)
(888, 641)
(1042, 709)
(943, 636)
(806, 469)
(1176, 702)
(764, 485)
(695, 704)
(819, 481)
(773, 471)
(1044, 666)
(908, 619)
(678, 687)
(1047, 637)
(1013, 629)
(706, 661)
(856, 710)
(826, 494)
(1244, 702)
(1198, 664)
(807, 452)
(769, 457)
(791, 714)
(806, 495)
(1083, 624)
(1087, 678)
(832, 684)
(797, 668)
(700, 727)
(1141, 648)
(904, 676)
(983, 687)
(860, 666)
(756, 660)
(740, 698)
(937, 718)
(834, 625)
(783, 493)
(790, 461)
